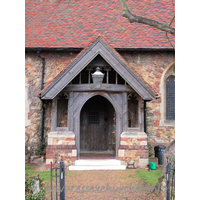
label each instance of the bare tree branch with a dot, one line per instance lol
(139, 19)
(169, 41)
(166, 32)
(172, 20)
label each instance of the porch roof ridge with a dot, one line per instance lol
(147, 93)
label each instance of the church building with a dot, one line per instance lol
(97, 86)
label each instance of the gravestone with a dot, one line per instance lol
(36, 187)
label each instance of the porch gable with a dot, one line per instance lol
(98, 47)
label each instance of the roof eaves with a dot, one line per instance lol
(48, 85)
(98, 38)
(151, 90)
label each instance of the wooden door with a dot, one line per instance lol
(94, 130)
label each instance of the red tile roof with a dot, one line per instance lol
(70, 24)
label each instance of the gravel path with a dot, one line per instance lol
(106, 185)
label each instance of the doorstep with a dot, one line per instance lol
(97, 164)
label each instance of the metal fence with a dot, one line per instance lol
(170, 180)
(58, 171)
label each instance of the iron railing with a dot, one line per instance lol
(59, 170)
(170, 180)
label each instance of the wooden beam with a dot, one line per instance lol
(99, 47)
(104, 87)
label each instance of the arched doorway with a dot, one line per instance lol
(97, 129)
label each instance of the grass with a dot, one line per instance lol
(150, 177)
(27, 167)
(45, 175)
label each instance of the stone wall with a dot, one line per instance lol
(61, 144)
(157, 134)
(150, 65)
(133, 147)
(54, 63)
(169, 154)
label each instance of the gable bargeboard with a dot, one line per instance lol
(98, 47)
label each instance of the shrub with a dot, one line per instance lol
(30, 194)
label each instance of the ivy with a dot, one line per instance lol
(29, 183)
(41, 148)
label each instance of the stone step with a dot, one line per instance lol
(97, 164)
(90, 167)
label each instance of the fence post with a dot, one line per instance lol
(51, 182)
(62, 180)
(168, 177)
